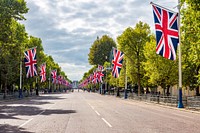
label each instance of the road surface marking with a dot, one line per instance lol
(41, 112)
(97, 113)
(25, 122)
(92, 107)
(45, 110)
(106, 122)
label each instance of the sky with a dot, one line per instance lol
(68, 28)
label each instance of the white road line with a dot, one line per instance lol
(41, 112)
(36, 115)
(106, 122)
(97, 113)
(25, 122)
(92, 107)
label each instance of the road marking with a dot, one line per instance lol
(106, 122)
(97, 113)
(92, 107)
(25, 122)
(41, 112)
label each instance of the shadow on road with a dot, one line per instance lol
(36, 100)
(10, 112)
(49, 112)
(12, 129)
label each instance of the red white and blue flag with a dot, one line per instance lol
(95, 78)
(117, 61)
(54, 76)
(100, 76)
(30, 62)
(100, 68)
(43, 73)
(167, 36)
(59, 78)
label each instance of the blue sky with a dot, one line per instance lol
(68, 28)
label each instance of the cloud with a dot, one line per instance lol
(68, 28)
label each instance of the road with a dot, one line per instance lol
(84, 112)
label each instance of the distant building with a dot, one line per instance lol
(75, 84)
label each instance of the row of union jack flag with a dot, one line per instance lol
(96, 77)
(31, 69)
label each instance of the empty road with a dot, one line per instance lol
(83, 112)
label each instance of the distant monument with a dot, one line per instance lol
(75, 84)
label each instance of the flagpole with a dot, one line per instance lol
(125, 90)
(20, 81)
(180, 104)
(49, 79)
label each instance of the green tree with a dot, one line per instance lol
(100, 50)
(10, 10)
(132, 42)
(159, 71)
(191, 44)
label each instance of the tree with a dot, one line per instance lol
(159, 71)
(132, 42)
(9, 62)
(100, 50)
(10, 10)
(191, 44)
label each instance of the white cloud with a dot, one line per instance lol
(68, 28)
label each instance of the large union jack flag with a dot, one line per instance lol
(167, 37)
(30, 62)
(54, 76)
(117, 62)
(43, 72)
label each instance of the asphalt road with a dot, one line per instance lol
(83, 112)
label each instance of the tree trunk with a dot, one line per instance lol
(197, 91)
(168, 90)
(139, 85)
(138, 74)
(5, 90)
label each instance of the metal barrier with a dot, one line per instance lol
(193, 102)
(188, 102)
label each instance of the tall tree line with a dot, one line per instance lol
(144, 67)
(14, 40)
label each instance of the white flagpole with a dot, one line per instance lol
(49, 79)
(20, 81)
(180, 104)
(125, 90)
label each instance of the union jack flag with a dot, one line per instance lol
(95, 78)
(53, 75)
(117, 60)
(167, 37)
(59, 78)
(100, 76)
(30, 62)
(100, 68)
(91, 77)
(43, 72)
